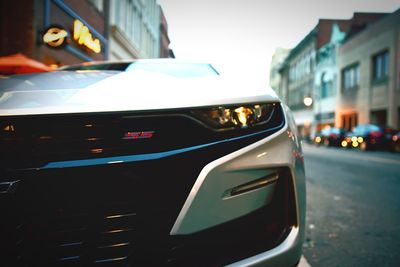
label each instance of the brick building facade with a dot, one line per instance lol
(25, 23)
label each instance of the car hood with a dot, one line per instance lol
(107, 91)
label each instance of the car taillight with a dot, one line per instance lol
(333, 135)
(376, 134)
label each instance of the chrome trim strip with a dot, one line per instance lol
(117, 231)
(70, 258)
(253, 185)
(115, 245)
(71, 244)
(111, 260)
(8, 187)
(120, 216)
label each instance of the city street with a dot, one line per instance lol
(353, 207)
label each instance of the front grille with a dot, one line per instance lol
(83, 238)
(113, 214)
(119, 230)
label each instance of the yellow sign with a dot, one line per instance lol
(55, 36)
(83, 36)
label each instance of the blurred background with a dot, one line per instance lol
(336, 64)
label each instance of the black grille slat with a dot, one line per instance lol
(70, 239)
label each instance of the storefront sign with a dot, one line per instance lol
(83, 36)
(55, 36)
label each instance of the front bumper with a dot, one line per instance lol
(160, 208)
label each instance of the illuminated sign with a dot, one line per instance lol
(55, 36)
(83, 36)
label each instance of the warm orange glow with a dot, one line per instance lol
(45, 137)
(9, 128)
(243, 115)
(55, 37)
(83, 36)
(395, 138)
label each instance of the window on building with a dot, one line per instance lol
(350, 77)
(380, 66)
(312, 61)
(379, 117)
(307, 64)
(137, 23)
(98, 4)
(296, 98)
(326, 89)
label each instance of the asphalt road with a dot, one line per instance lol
(353, 207)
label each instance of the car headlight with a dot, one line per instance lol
(243, 116)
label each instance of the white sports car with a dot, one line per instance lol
(147, 163)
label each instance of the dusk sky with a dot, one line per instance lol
(239, 37)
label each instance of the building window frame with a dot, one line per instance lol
(380, 67)
(98, 5)
(326, 87)
(351, 77)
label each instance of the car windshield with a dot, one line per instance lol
(121, 66)
(176, 69)
(181, 70)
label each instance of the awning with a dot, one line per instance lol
(18, 63)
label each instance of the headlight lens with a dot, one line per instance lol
(244, 116)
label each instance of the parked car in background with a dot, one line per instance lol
(369, 137)
(159, 163)
(330, 136)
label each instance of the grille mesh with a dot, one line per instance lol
(101, 237)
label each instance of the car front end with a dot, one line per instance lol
(89, 183)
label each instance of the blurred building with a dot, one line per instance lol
(369, 65)
(134, 29)
(327, 73)
(60, 32)
(276, 63)
(165, 51)
(325, 80)
(309, 75)
(297, 78)
(54, 32)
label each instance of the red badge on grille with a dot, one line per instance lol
(139, 135)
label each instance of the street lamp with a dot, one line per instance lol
(308, 101)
